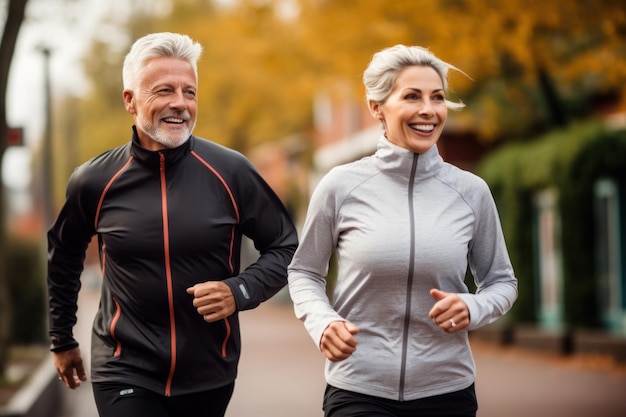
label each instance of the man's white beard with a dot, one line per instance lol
(159, 135)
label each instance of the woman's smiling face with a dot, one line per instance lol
(415, 112)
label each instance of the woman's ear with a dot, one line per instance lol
(374, 108)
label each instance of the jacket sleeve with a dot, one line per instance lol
(309, 268)
(265, 220)
(68, 239)
(496, 284)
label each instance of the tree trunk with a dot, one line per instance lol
(558, 114)
(15, 17)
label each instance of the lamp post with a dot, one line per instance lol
(47, 181)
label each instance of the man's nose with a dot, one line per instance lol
(178, 100)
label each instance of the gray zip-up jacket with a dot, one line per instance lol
(401, 223)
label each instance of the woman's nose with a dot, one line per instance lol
(427, 108)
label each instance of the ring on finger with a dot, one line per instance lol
(452, 323)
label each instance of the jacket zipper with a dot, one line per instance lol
(168, 275)
(409, 285)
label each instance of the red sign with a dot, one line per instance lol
(15, 136)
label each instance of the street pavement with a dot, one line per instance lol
(281, 374)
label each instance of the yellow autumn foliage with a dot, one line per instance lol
(265, 61)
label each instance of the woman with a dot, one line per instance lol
(405, 226)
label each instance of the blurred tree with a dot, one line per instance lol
(532, 64)
(15, 10)
(254, 86)
(104, 122)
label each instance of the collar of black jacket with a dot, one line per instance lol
(153, 158)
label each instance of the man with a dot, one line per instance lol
(169, 210)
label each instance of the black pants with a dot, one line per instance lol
(115, 400)
(342, 403)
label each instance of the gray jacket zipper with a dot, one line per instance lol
(409, 284)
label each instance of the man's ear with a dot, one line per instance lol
(374, 108)
(129, 101)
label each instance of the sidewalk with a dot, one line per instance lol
(281, 374)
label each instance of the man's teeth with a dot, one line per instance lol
(423, 128)
(173, 120)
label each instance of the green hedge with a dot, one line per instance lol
(570, 160)
(26, 282)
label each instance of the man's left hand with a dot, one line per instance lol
(213, 300)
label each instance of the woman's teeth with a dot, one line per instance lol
(423, 128)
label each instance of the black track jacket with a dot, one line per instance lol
(165, 220)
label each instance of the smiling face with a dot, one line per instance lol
(415, 112)
(163, 103)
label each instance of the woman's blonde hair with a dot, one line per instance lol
(381, 73)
